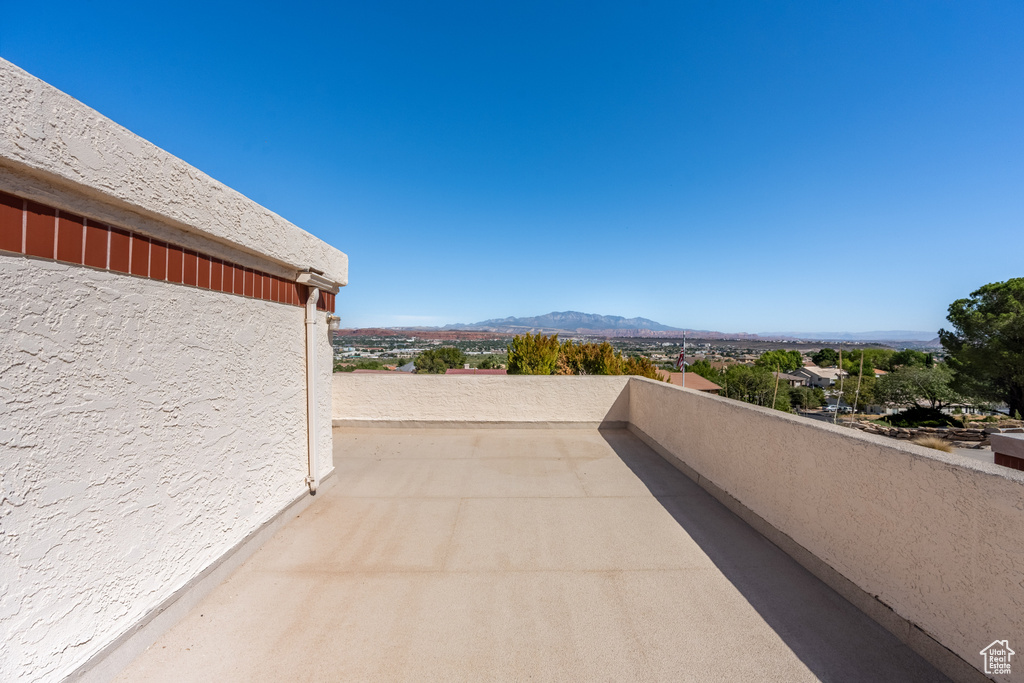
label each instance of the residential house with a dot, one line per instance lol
(822, 378)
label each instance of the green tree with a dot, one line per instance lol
(784, 361)
(601, 359)
(489, 363)
(750, 384)
(532, 354)
(641, 366)
(914, 385)
(826, 358)
(985, 348)
(910, 358)
(707, 371)
(863, 398)
(370, 364)
(588, 359)
(437, 361)
(806, 397)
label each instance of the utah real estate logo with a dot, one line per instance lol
(997, 657)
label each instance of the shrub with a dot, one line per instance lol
(437, 361)
(358, 365)
(921, 417)
(934, 442)
(532, 354)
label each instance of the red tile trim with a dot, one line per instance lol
(203, 273)
(120, 250)
(191, 268)
(140, 255)
(97, 242)
(40, 231)
(1013, 462)
(157, 260)
(70, 238)
(175, 263)
(216, 274)
(12, 219)
(35, 229)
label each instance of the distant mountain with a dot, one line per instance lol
(887, 335)
(566, 321)
(617, 326)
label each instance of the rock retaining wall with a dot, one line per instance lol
(979, 436)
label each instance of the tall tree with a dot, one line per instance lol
(707, 371)
(915, 385)
(909, 358)
(532, 354)
(781, 360)
(825, 358)
(986, 345)
(437, 361)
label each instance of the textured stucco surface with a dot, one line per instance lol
(48, 133)
(939, 538)
(145, 429)
(481, 399)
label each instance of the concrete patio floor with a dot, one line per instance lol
(520, 554)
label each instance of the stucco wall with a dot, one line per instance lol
(479, 398)
(145, 429)
(938, 538)
(51, 135)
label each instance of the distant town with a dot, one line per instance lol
(899, 388)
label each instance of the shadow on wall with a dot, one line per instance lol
(613, 419)
(833, 638)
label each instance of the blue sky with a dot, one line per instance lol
(740, 166)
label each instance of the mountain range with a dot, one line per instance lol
(570, 321)
(618, 326)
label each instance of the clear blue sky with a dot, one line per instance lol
(753, 166)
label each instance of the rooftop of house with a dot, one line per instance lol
(693, 380)
(821, 372)
(520, 554)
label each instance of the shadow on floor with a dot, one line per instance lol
(834, 639)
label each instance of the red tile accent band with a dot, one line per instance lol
(40, 226)
(157, 260)
(1013, 462)
(12, 215)
(97, 238)
(120, 250)
(140, 255)
(34, 229)
(70, 238)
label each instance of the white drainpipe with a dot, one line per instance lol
(315, 280)
(313, 479)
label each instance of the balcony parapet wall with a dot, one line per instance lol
(479, 401)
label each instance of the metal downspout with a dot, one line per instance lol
(313, 479)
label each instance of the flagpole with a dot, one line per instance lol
(682, 380)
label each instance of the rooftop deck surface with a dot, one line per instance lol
(530, 554)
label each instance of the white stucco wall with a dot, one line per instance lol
(47, 133)
(145, 429)
(479, 398)
(939, 538)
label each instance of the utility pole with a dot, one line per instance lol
(775, 396)
(860, 374)
(835, 417)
